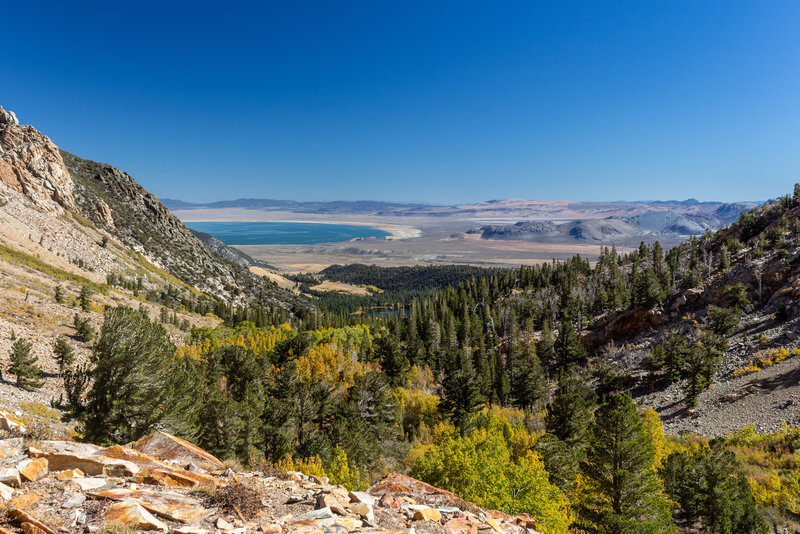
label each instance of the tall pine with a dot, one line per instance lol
(623, 492)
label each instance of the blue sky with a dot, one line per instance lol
(439, 102)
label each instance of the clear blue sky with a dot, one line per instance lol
(430, 101)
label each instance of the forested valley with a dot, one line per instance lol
(500, 385)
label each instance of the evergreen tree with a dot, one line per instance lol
(708, 485)
(366, 419)
(723, 320)
(501, 386)
(83, 329)
(701, 364)
(545, 348)
(568, 349)
(279, 414)
(58, 295)
(462, 395)
(137, 383)
(570, 413)
(724, 257)
(528, 385)
(85, 298)
(560, 460)
(234, 382)
(63, 354)
(24, 365)
(75, 382)
(670, 356)
(623, 493)
(393, 362)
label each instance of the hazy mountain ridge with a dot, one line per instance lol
(511, 206)
(670, 223)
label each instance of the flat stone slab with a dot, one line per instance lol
(170, 505)
(166, 447)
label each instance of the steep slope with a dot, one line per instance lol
(756, 379)
(74, 202)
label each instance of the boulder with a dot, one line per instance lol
(389, 501)
(34, 470)
(23, 502)
(69, 474)
(7, 421)
(89, 483)
(320, 513)
(104, 213)
(6, 492)
(460, 525)
(166, 447)
(404, 486)
(10, 476)
(364, 510)
(11, 447)
(90, 459)
(331, 502)
(360, 496)
(428, 514)
(132, 514)
(169, 505)
(30, 528)
(23, 517)
(74, 501)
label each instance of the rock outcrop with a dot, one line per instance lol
(32, 165)
(77, 487)
(40, 180)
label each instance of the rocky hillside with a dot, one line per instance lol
(165, 484)
(42, 188)
(756, 382)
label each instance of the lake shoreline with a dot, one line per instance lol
(396, 231)
(267, 233)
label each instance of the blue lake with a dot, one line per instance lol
(283, 233)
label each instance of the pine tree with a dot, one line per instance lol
(83, 329)
(570, 413)
(462, 395)
(23, 365)
(59, 295)
(708, 485)
(528, 385)
(85, 298)
(568, 348)
(279, 414)
(63, 354)
(701, 364)
(623, 493)
(545, 348)
(670, 356)
(137, 383)
(393, 362)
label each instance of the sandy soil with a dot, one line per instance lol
(341, 287)
(275, 277)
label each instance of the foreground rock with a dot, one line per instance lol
(165, 484)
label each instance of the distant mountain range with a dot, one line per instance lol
(530, 220)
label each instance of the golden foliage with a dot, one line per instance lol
(331, 363)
